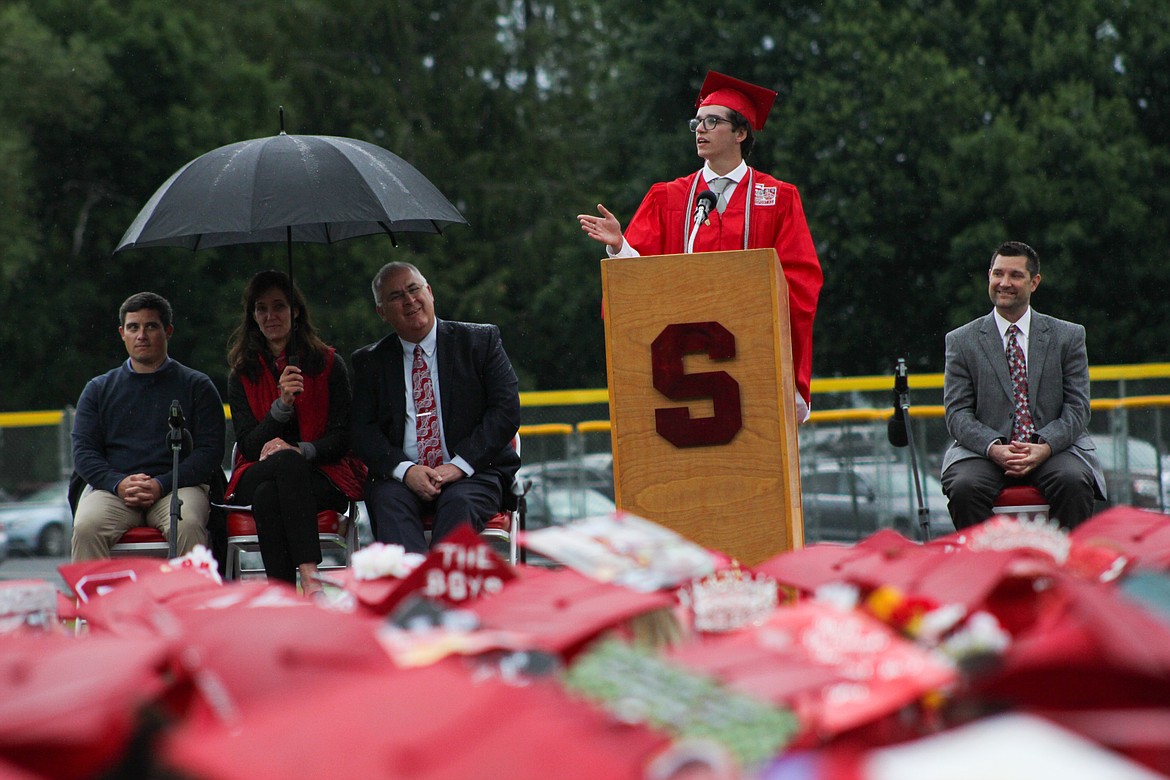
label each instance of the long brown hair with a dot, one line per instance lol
(247, 342)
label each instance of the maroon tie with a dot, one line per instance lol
(1022, 427)
(430, 448)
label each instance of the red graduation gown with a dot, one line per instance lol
(777, 221)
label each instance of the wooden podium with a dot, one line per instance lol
(701, 398)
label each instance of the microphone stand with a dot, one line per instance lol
(902, 393)
(707, 200)
(175, 442)
(699, 217)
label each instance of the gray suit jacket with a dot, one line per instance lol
(977, 389)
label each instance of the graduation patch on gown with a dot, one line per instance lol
(764, 196)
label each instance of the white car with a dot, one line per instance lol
(40, 523)
(546, 505)
(557, 505)
(848, 502)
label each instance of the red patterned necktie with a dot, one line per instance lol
(1022, 427)
(426, 420)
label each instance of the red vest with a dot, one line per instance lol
(312, 408)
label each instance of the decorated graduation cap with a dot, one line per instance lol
(748, 99)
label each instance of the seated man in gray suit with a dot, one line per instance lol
(1016, 393)
(435, 407)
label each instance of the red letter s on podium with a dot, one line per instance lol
(666, 353)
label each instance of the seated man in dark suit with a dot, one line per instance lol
(435, 407)
(1016, 392)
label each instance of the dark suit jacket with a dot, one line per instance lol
(977, 389)
(477, 388)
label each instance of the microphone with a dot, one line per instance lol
(896, 426)
(294, 360)
(707, 200)
(706, 203)
(178, 436)
(176, 418)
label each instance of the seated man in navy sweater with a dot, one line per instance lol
(120, 438)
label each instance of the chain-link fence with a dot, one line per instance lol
(853, 479)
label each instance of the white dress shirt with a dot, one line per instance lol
(410, 429)
(1024, 323)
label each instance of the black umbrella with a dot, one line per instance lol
(290, 188)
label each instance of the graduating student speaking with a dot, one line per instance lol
(752, 211)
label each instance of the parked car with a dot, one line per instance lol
(846, 503)
(1132, 474)
(40, 523)
(593, 471)
(550, 503)
(365, 531)
(3, 546)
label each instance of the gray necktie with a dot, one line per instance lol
(719, 187)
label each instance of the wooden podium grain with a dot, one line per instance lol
(741, 497)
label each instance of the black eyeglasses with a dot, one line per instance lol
(398, 296)
(709, 122)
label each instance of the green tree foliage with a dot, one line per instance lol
(920, 135)
(131, 91)
(923, 134)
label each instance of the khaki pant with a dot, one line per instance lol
(102, 518)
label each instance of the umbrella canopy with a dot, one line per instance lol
(289, 188)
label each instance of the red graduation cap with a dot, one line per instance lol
(752, 101)
(125, 596)
(1140, 535)
(244, 654)
(1089, 646)
(91, 579)
(459, 569)
(807, 568)
(561, 610)
(942, 573)
(439, 722)
(806, 655)
(68, 704)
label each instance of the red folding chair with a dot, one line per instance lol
(505, 525)
(336, 530)
(1023, 502)
(141, 541)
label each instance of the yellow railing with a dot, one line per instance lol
(936, 410)
(546, 429)
(30, 419)
(593, 426)
(851, 384)
(883, 382)
(564, 397)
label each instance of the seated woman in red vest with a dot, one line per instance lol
(290, 400)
